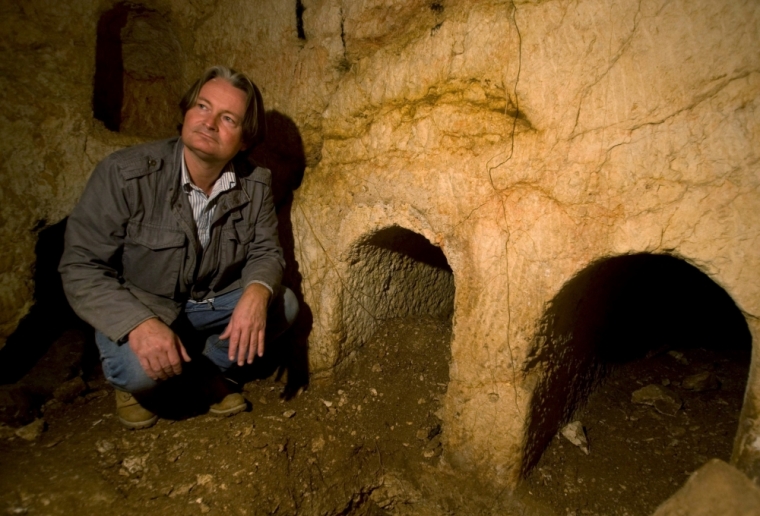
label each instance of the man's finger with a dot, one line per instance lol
(243, 347)
(175, 366)
(146, 367)
(252, 350)
(155, 365)
(164, 361)
(262, 334)
(182, 350)
(233, 343)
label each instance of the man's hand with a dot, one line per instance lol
(158, 348)
(246, 328)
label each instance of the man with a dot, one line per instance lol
(181, 233)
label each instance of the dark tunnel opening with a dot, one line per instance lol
(631, 322)
(138, 69)
(51, 344)
(394, 273)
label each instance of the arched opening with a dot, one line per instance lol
(652, 357)
(397, 309)
(138, 72)
(394, 273)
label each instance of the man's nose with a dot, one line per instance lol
(210, 122)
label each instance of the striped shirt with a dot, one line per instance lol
(202, 205)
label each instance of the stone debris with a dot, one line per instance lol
(103, 446)
(663, 400)
(289, 413)
(32, 431)
(70, 390)
(705, 381)
(715, 488)
(134, 464)
(680, 358)
(575, 433)
(181, 490)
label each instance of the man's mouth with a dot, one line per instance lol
(206, 135)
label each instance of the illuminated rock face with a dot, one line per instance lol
(526, 140)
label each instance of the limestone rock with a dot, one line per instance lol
(32, 431)
(69, 390)
(473, 127)
(663, 400)
(715, 488)
(576, 434)
(705, 381)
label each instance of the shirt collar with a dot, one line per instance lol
(227, 179)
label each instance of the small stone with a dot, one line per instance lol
(135, 464)
(663, 400)
(32, 431)
(103, 446)
(373, 391)
(705, 381)
(422, 434)
(203, 480)
(289, 413)
(68, 391)
(679, 357)
(328, 404)
(317, 444)
(182, 490)
(377, 369)
(575, 433)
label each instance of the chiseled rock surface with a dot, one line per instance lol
(715, 488)
(526, 139)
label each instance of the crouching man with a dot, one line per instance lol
(181, 233)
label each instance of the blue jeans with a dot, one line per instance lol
(123, 370)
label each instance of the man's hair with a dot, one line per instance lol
(254, 124)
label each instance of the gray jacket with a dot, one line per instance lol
(132, 250)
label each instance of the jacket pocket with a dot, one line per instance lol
(153, 258)
(235, 242)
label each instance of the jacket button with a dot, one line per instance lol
(152, 163)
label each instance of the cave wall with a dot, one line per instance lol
(526, 139)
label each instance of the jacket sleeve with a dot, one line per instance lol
(265, 262)
(91, 263)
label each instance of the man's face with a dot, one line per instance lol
(213, 127)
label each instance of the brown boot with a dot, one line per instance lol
(230, 405)
(131, 414)
(229, 401)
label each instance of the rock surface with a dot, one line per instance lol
(715, 488)
(525, 139)
(663, 400)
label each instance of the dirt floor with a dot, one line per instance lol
(638, 455)
(366, 443)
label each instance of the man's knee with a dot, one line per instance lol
(129, 379)
(122, 368)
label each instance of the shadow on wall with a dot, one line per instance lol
(50, 316)
(614, 311)
(282, 152)
(138, 69)
(393, 273)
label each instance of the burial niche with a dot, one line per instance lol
(394, 273)
(138, 72)
(652, 357)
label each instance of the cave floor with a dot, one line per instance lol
(367, 442)
(639, 457)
